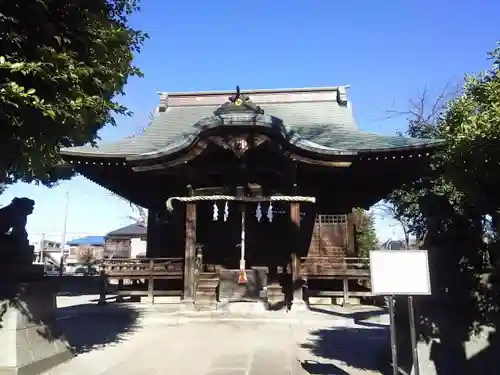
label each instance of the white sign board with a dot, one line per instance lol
(400, 272)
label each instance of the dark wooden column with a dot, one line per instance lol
(190, 253)
(153, 249)
(351, 235)
(297, 297)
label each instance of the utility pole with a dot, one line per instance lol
(42, 249)
(63, 239)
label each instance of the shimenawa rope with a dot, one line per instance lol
(275, 198)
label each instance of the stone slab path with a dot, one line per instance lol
(123, 341)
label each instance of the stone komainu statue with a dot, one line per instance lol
(13, 220)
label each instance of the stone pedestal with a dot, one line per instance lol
(19, 273)
(275, 296)
(231, 290)
(30, 342)
(299, 306)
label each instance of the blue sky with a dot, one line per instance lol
(386, 50)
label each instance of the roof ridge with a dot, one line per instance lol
(262, 103)
(256, 91)
(264, 96)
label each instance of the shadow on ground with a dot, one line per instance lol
(356, 347)
(359, 317)
(87, 328)
(318, 368)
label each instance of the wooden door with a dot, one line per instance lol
(329, 238)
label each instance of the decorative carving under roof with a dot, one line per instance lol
(238, 103)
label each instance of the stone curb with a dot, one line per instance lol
(173, 319)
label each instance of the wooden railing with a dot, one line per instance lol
(335, 267)
(143, 268)
(148, 269)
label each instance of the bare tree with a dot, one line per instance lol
(139, 214)
(425, 109)
(423, 116)
(387, 209)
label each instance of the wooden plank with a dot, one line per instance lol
(332, 293)
(336, 277)
(146, 275)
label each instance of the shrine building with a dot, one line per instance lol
(253, 191)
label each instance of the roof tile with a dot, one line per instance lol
(322, 123)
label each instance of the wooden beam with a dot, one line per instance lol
(161, 163)
(325, 163)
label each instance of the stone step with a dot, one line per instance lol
(207, 285)
(202, 294)
(206, 292)
(208, 276)
(205, 306)
(244, 307)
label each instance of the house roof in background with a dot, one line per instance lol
(132, 230)
(89, 241)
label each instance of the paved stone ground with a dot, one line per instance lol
(123, 339)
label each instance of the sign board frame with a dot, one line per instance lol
(422, 266)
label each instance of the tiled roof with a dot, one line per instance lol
(319, 119)
(87, 241)
(132, 230)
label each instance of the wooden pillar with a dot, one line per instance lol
(103, 286)
(190, 253)
(345, 291)
(151, 288)
(152, 250)
(297, 297)
(351, 235)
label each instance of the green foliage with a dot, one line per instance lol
(454, 212)
(62, 65)
(366, 236)
(448, 209)
(471, 126)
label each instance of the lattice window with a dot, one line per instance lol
(331, 219)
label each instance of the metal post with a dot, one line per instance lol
(413, 332)
(392, 327)
(394, 345)
(63, 239)
(413, 336)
